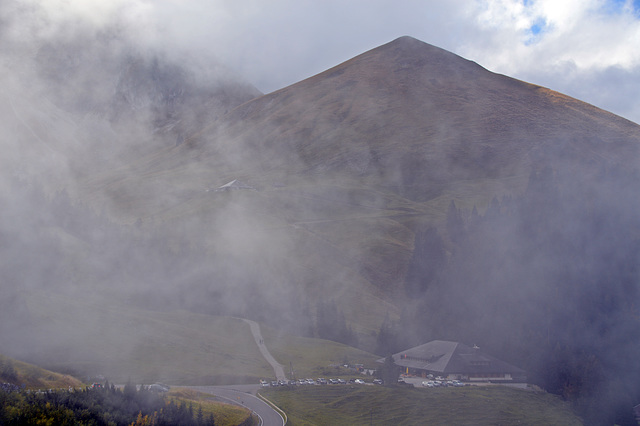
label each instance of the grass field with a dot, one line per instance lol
(145, 346)
(313, 357)
(122, 343)
(377, 405)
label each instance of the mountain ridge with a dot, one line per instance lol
(360, 95)
(351, 164)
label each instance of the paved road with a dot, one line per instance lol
(243, 395)
(278, 369)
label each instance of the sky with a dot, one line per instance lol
(588, 49)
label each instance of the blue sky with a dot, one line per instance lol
(572, 46)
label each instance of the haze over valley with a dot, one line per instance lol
(152, 199)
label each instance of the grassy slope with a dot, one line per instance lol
(124, 343)
(175, 347)
(34, 377)
(312, 357)
(349, 405)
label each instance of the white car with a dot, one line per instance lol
(428, 384)
(359, 381)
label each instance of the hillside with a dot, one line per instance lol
(402, 196)
(76, 105)
(32, 377)
(408, 115)
(350, 163)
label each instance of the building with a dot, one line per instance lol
(456, 361)
(232, 186)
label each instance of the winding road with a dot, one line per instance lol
(244, 395)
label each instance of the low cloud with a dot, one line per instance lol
(277, 44)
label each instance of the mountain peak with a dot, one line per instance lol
(406, 41)
(408, 102)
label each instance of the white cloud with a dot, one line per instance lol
(581, 42)
(276, 43)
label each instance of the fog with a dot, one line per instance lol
(116, 143)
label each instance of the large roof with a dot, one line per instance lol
(441, 356)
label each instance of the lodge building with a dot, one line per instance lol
(456, 361)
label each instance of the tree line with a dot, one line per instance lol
(106, 405)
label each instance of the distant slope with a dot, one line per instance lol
(349, 164)
(407, 115)
(78, 104)
(122, 342)
(92, 336)
(32, 377)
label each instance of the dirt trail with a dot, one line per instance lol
(277, 368)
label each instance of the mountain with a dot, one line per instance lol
(77, 105)
(351, 163)
(410, 114)
(402, 196)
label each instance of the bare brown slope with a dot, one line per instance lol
(408, 112)
(408, 117)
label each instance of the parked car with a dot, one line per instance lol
(341, 382)
(377, 381)
(359, 381)
(157, 387)
(428, 384)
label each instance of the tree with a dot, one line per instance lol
(455, 223)
(332, 325)
(129, 390)
(428, 260)
(200, 416)
(388, 339)
(389, 372)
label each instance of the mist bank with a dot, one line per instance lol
(548, 280)
(402, 196)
